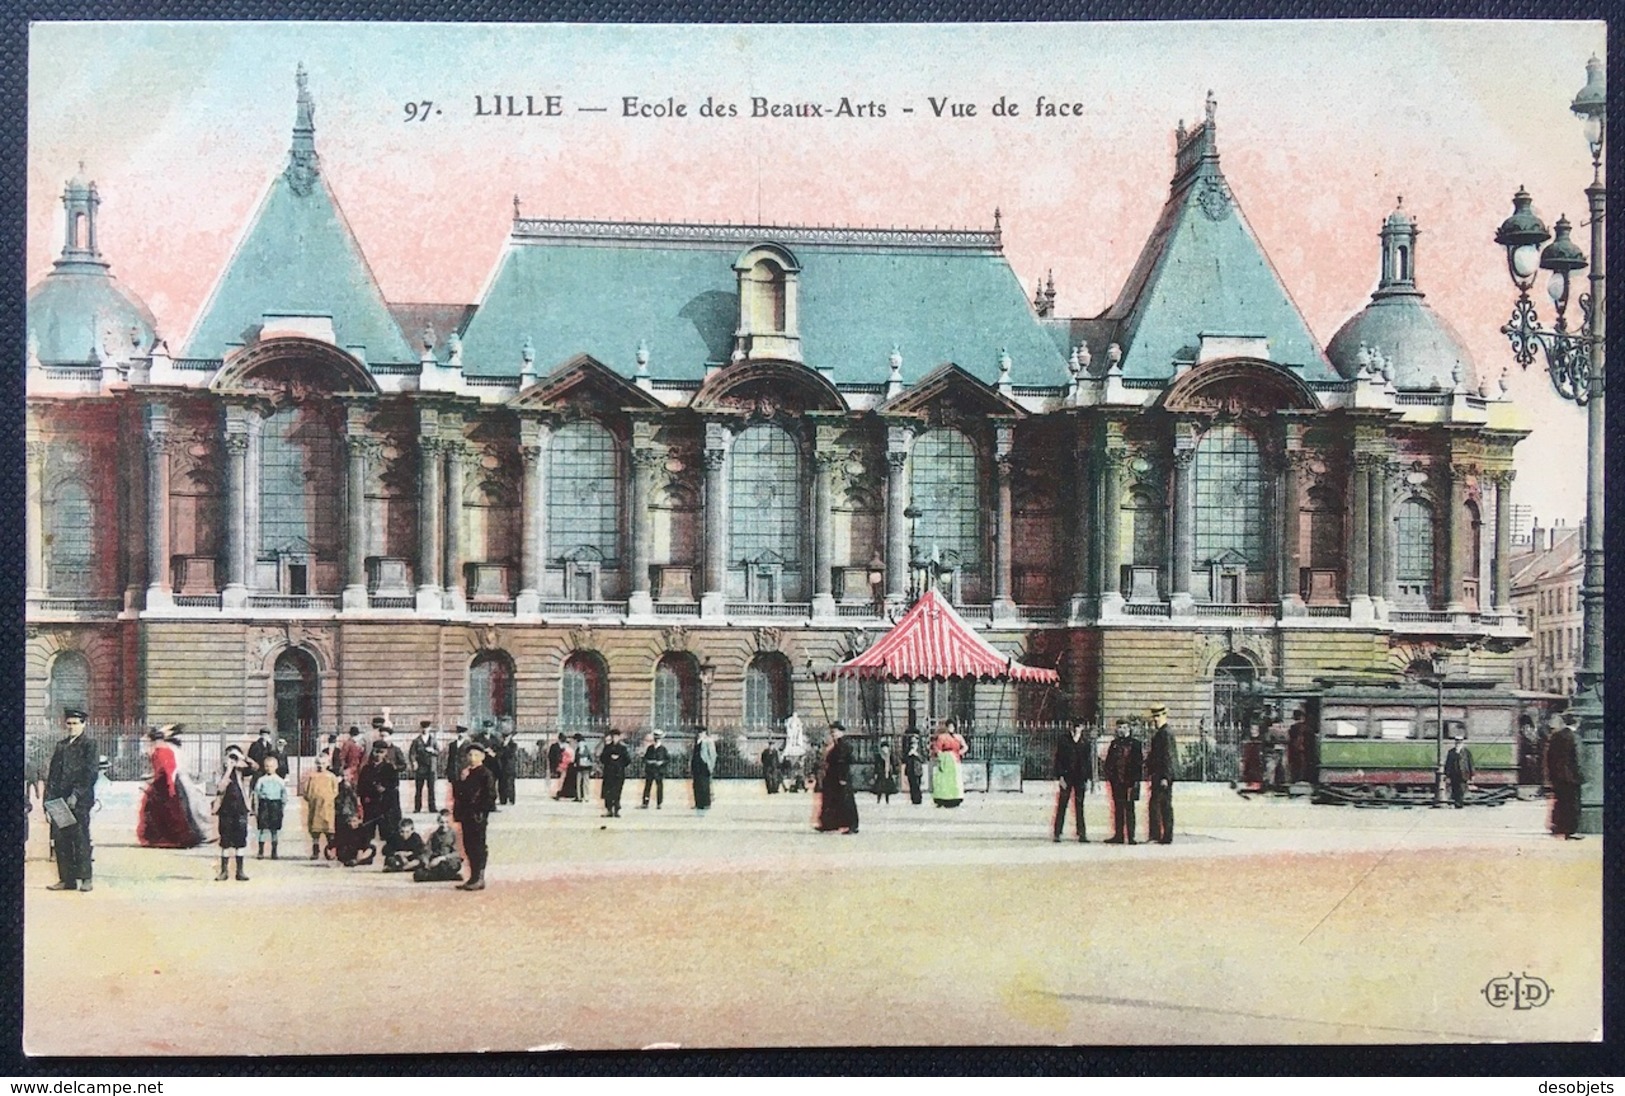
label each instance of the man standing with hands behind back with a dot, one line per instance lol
(71, 778)
(1160, 761)
(1074, 770)
(1124, 762)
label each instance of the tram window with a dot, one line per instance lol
(1345, 728)
(1396, 728)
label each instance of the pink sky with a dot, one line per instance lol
(1321, 125)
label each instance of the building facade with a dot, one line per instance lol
(1546, 579)
(662, 471)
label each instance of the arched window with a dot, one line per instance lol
(68, 537)
(1229, 508)
(677, 691)
(767, 298)
(767, 690)
(764, 496)
(583, 690)
(1475, 540)
(302, 482)
(944, 487)
(1147, 542)
(298, 709)
(69, 684)
(583, 493)
(1232, 677)
(491, 692)
(1413, 557)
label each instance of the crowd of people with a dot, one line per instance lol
(354, 814)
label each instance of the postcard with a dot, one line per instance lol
(591, 536)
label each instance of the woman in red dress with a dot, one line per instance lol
(166, 820)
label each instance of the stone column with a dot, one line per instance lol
(430, 512)
(1503, 539)
(1377, 556)
(159, 592)
(355, 503)
(823, 600)
(530, 517)
(35, 517)
(451, 440)
(645, 459)
(1004, 604)
(1456, 531)
(252, 502)
(718, 440)
(1291, 557)
(1360, 541)
(1110, 525)
(1184, 502)
(897, 547)
(235, 593)
(1084, 486)
(1390, 536)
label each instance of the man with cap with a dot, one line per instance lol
(422, 756)
(1074, 772)
(456, 756)
(555, 765)
(1161, 761)
(1562, 773)
(614, 759)
(474, 797)
(257, 752)
(508, 756)
(1458, 771)
(1123, 765)
(351, 755)
(655, 758)
(71, 777)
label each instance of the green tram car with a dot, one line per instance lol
(1378, 743)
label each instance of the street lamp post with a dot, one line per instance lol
(1439, 666)
(1575, 361)
(708, 674)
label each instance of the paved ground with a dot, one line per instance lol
(1267, 921)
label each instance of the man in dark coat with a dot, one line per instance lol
(1297, 747)
(1562, 773)
(1458, 771)
(257, 751)
(555, 765)
(614, 759)
(839, 808)
(1074, 771)
(771, 775)
(397, 764)
(474, 797)
(913, 763)
(456, 754)
(1124, 762)
(655, 759)
(379, 787)
(507, 768)
(423, 757)
(1161, 764)
(71, 777)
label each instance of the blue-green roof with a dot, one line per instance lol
(1203, 271)
(603, 296)
(299, 256)
(80, 305)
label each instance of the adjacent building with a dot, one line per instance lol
(661, 471)
(1546, 576)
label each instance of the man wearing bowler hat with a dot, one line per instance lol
(71, 777)
(474, 797)
(1161, 758)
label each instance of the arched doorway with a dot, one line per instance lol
(677, 692)
(1233, 678)
(298, 700)
(490, 689)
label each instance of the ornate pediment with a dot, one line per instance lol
(949, 396)
(1234, 388)
(768, 390)
(292, 369)
(584, 385)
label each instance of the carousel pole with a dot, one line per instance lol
(820, 690)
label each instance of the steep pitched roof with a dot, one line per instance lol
(299, 257)
(1203, 271)
(604, 288)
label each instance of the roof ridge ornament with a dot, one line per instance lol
(303, 163)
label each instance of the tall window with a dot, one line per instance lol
(69, 685)
(583, 691)
(954, 700)
(1413, 558)
(302, 464)
(1148, 545)
(767, 690)
(68, 537)
(677, 691)
(944, 488)
(1231, 678)
(583, 492)
(1229, 508)
(764, 496)
(491, 690)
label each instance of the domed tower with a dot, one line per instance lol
(80, 313)
(1425, 350)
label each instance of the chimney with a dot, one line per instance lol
(1536, 534)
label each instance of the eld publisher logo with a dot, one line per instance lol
(1522, 993)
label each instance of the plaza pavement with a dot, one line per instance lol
(1268, 920)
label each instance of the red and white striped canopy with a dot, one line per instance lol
(932, 642)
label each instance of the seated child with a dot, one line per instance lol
(442, 864)
(403, 849)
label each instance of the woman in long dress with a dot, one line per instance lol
(167, 819)
(702, 763)
(947, 788)
(838, 806)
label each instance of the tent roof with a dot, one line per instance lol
(932, 642)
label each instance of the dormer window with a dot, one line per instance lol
(767, 304)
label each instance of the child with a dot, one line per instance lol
(442, 864)
(231, 810)
(352, 842)
(270, 797)
(403, 850)
(321, 793)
